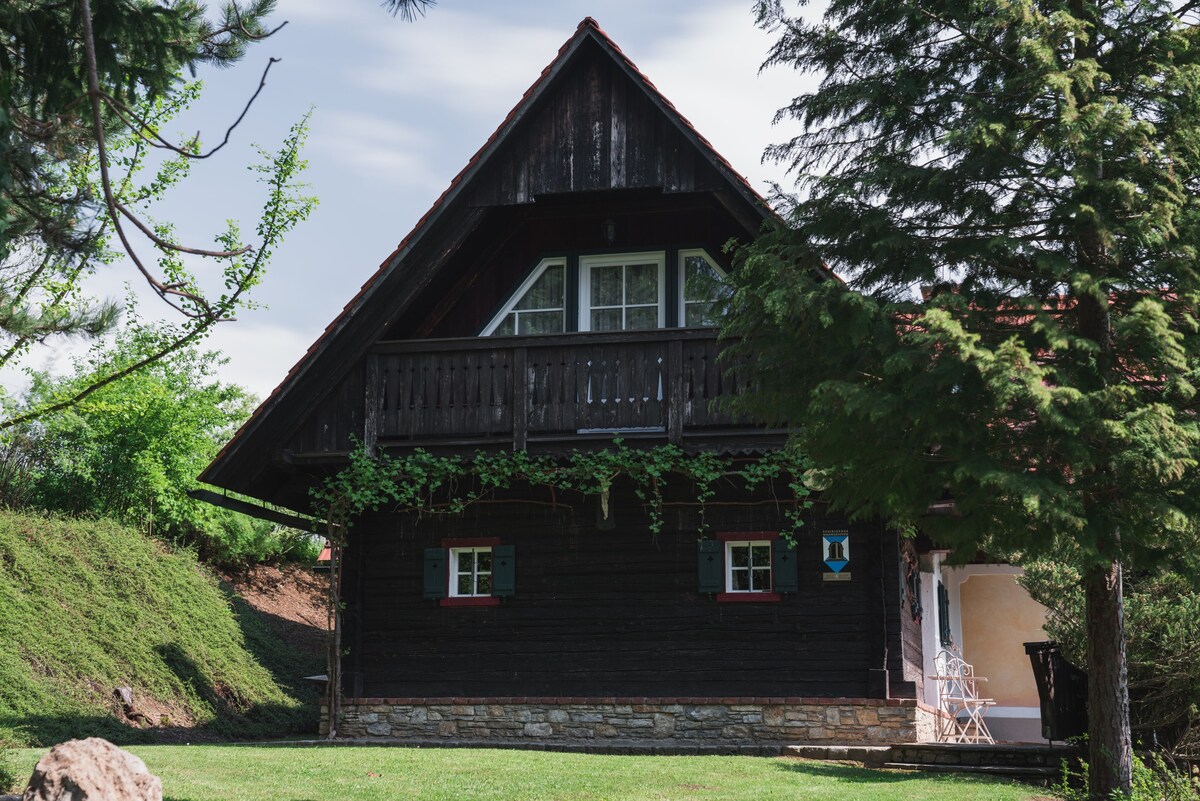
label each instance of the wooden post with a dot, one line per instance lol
(520, 399)
(674, 405)
(373, 403)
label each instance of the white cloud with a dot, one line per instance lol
(385, 152)
(326, 11)
(260, 354)
(709, 70)
(465, 62)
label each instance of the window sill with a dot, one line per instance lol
(470, 600)
(748, 597)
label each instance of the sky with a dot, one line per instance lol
(398, 108)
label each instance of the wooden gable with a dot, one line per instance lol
(591, 140)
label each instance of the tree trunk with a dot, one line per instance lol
(1110, 749)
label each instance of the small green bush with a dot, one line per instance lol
(1153, 780)
(1162, 627)
(8, 773)
(132, 449)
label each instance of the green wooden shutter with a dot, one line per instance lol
(711, 571)
(504, 571)
(436, 572)
(943, 602)
(784, 576)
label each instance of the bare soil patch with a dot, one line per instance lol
(291, 600)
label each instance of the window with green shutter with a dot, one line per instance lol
(784, 575)
(470, 571)
(943, 602)
(504, 571)
(711, 570)
(436, 572)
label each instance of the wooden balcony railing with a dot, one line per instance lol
(548, 387)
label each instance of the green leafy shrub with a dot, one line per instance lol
(9, 782)
(1153, 780)
(1162, 626)
(131, 450)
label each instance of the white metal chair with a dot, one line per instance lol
(962, 709)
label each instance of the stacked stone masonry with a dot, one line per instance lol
(697, 720)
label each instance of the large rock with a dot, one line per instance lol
(92, 770)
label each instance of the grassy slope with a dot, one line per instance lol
(214, 773)
(87, 606)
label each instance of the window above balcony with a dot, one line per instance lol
(614, 292)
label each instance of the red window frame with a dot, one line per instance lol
(756, 597)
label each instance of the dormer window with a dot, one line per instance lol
(539, 305)
(616, 292)
(623, 293)
(704, 285)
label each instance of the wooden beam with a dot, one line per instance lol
(254, 510)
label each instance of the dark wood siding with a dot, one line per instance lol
(336, 420)
(606, 612)
(596, 131)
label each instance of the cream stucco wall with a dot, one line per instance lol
(997, 617)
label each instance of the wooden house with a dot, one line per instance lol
(555, 295)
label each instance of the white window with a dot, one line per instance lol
(470, 572)
(748, 566)
(702, 285)
(622, 293)
(617, 292)
(538, 306)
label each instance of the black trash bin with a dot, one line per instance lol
(1062, 690)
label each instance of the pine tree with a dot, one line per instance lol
(1010, 188)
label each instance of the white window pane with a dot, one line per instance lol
(606, 320)
(699, 278)
(540, 322)
(464, 584)
(507, 326)
(606, 285)
(644, 317)
(761, 581)
(641, 283)
(761, 555)
(699, 314)
(740, 580)
(484, 561)
(484, 586)
(740, 555)
(546, 292)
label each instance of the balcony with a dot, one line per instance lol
(554, 392)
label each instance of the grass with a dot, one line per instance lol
(230, 773)
(90, 605)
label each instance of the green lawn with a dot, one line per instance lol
(227, 773)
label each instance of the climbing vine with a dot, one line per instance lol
(424, 483)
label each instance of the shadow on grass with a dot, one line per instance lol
(853, 774)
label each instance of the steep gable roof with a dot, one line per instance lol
(409, 267)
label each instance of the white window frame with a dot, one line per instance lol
(729, 546)
(586, 263)
(525, 286)
(475, 574)
(682, 297)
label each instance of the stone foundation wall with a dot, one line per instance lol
(694, 720)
